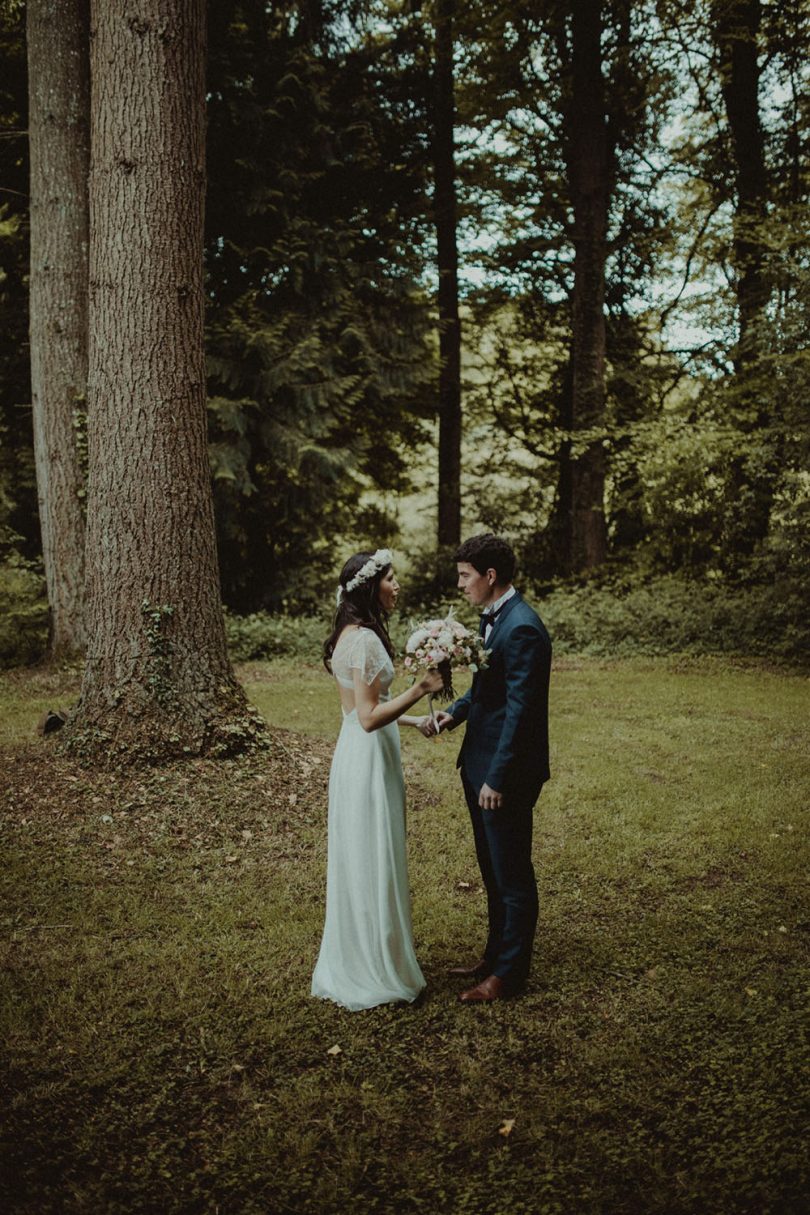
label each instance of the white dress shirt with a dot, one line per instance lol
(494, 607)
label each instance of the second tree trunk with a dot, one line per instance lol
(59, 141)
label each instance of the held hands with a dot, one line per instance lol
(430, 683)
(427, 726)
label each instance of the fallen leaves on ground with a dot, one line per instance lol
(216, 810)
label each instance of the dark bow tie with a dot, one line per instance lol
(490, 617)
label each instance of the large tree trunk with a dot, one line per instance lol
(157, 679)
(449, 529)
(583, 521)
(59, 140)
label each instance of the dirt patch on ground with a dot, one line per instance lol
(277, 786)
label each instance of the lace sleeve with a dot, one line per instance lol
(367, 654)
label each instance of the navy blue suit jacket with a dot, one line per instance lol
(506, 709)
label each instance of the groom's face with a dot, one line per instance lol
(479, 588)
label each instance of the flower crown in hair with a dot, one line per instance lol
(372, 567)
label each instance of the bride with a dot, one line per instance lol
(367, 955)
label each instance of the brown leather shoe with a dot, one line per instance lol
(476, 971)
(489, 989)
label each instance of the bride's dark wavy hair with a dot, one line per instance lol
(360, 606)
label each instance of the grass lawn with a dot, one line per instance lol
(162, 1054)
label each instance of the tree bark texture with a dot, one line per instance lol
(59, 142)
(449, 521)
(589, 172)
(157, 677)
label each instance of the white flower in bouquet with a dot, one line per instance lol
(444, 645)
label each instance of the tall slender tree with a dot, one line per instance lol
(157, 678)
(59, 139)
(450, 420)
(736, 29)
(589, 162)
(563, 93)
(20, 536)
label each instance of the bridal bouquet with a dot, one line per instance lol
(444, 645)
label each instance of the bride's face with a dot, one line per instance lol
(388, 591)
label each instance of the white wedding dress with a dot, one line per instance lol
(367, 955)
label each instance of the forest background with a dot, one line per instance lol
(609, 213)
(537, 267)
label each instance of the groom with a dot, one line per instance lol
(503, 761)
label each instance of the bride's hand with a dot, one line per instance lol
(431, 683)
(431, 728)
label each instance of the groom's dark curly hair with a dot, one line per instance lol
(488, 552)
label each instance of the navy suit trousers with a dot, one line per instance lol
(503, 845)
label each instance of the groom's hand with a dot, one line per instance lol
(489, 799)
(444, 721)
(427, 726)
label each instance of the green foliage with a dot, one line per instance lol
(676, 615)
(159, 646)
(697, 452)
(319, 355)
(517, 85)
(23, 613)
(322, 359)
(82, 448)
(262, 636)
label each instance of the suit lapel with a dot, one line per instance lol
(493, 638)
(497, 628)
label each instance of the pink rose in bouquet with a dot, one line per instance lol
(444, 645)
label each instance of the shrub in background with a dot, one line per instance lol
(262, 636)
(668, 615)
(23, 613)
(673, 615)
